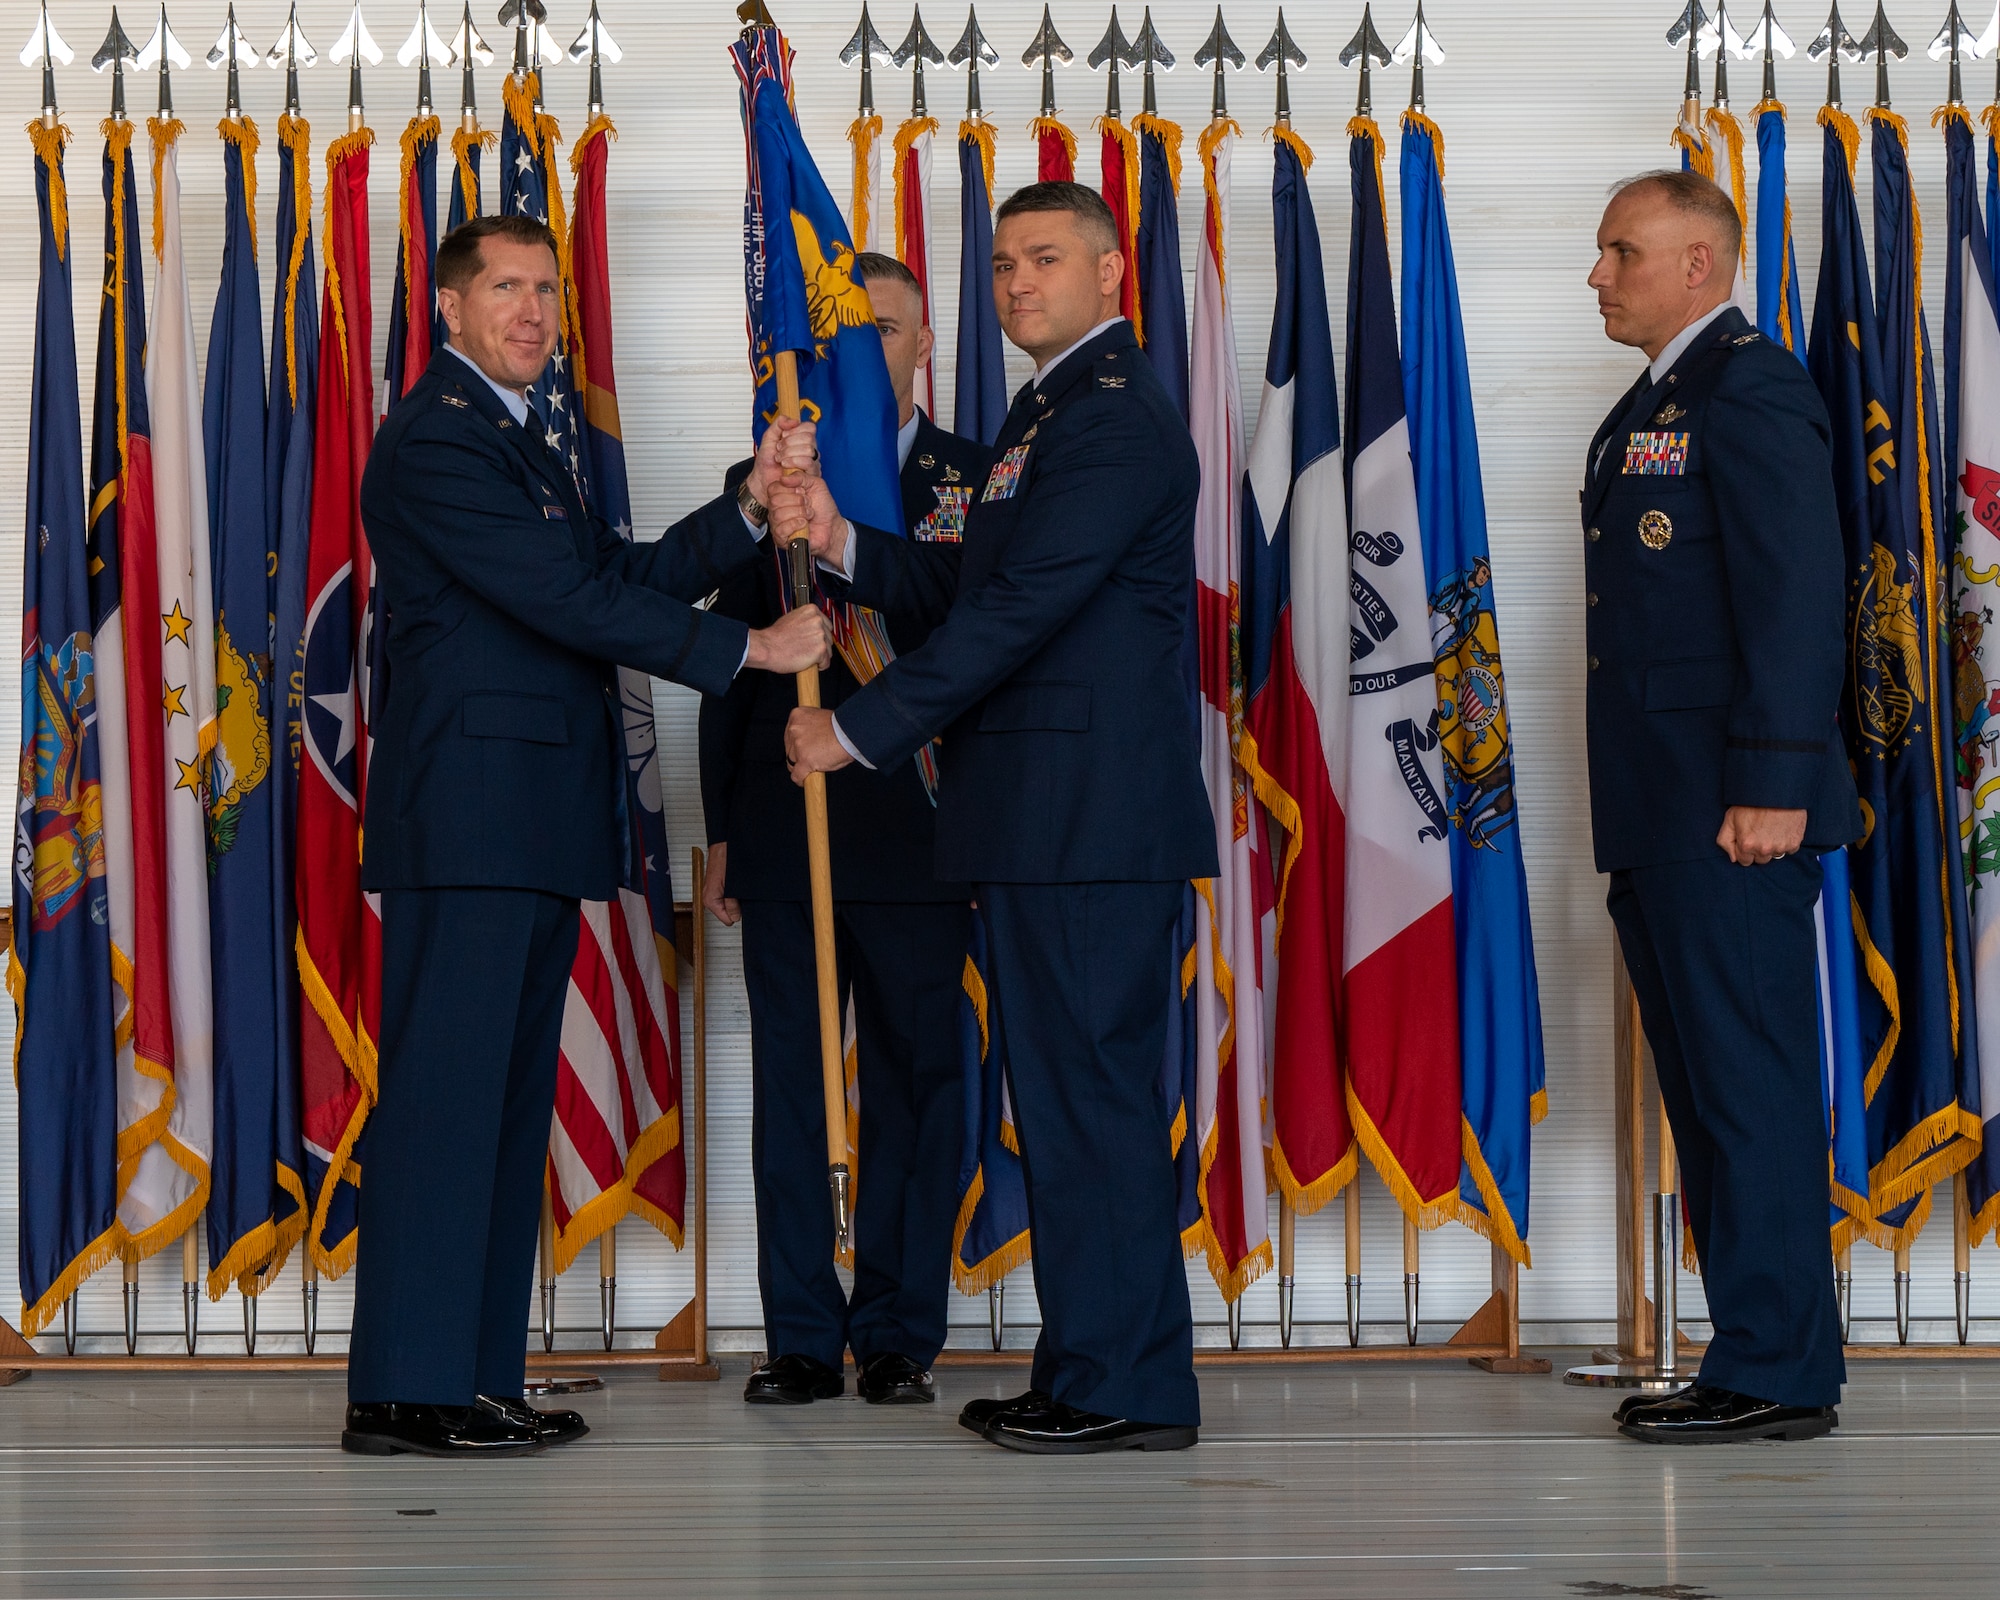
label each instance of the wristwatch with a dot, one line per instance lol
(751, 506)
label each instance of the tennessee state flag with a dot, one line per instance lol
(413, 305)
(1293, 743)
(1229, 999)
(59, 971)
(616, 1145)
(1399, 1023)
(340, 930)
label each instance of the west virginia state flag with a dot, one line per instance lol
(340, 929)
(59, 971)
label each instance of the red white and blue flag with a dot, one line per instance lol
(413, 306)
(1399, 986)
(1293, 742)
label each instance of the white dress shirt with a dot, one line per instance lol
(515, 401)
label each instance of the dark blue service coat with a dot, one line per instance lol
(496, 760)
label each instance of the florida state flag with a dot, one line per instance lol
(340, 932)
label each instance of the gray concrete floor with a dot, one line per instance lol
(1363, 1483)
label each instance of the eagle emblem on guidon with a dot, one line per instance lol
(1655, 529)
(1888, 654)
(833, 299)
(1472, 705)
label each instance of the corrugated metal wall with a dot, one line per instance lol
(1543, 102)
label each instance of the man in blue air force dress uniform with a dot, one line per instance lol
(1071, 797)
(1712, 563)
(495, 804)
(902, 937)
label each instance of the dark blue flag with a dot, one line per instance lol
(246, 1203)
(413, 310)
(981, 405)
(60, 969)
(1889, 720)
(991, 1238)
(467, 150)
(1157, 255)
(288, 469)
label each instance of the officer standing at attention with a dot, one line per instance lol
(1071, 797)
(1713, 564)
(495, 803)
(902, 944)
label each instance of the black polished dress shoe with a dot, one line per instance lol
(392, 1428)
(554, 1427)
(793, 1381)
(1055, 1429)
(893, 1380)
(979, 1415)
(1632, 1402)
(1707, 1415)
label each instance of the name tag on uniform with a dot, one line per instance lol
(1005, 478)
(1657, 455)
(946, 525)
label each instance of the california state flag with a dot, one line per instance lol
(169, 1178)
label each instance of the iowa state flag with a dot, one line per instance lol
(253, 1218)
(1295, 647)
(1399, 1016)
(1504, 1074)
(340, 930)
(59, 971)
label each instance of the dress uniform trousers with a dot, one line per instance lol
(473, 984)
(1082, 978)
(1722, 960)
(904, 965)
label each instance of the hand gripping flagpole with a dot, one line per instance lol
(753, 14)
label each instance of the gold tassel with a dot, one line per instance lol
(1367, 128)
(1845, 131)
(242, 132)
(463, 143)
(907, 135)
(1699, 152)
(1169, 135)
(1417, 122)
(980, 133)
(48, 143)
(862, 133)
(1118, 133)
(1205, 147)
(1294, 143)
(337, 153)
(165, 134)
(1725, 123)
(295, 139)
(1042, 125)
(418, 132)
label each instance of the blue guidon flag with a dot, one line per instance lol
(65, 1053)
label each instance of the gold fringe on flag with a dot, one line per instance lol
(463, 143)
(1786, 332)
(1844, 130)
(913, 129)
(242, 132)
(862, 133)
(980, 133)
(1724, 122)
(165, 134)
(418, 132)
(1169, 135)
(1416, 122)
(1042, 125)
(48, 143)
(295, 139)
(1205, 147)
(1115, 130)
(1693, 143)
(1367, 128)
(337, 153)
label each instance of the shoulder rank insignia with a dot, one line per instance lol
(1005, 479)
(1669, 413)
(946, 525)
(1655, 529)
(927, 462)
(506, 422)
(1657, 455)
(457, 402)
(1746, 338)
(1105, 381)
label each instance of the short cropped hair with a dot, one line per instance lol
(458, 256)
(1691, 193)
(879, 268)
(1093, 217)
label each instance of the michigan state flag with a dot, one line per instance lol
(65, 1056)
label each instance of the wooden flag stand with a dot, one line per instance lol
(680, 1350)
(1632, 1067)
